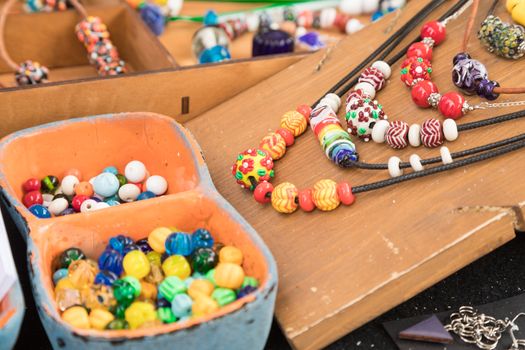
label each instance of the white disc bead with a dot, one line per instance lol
(393, 167)
(379, 131)
(327, 17)
(415, 163)
(414, 137)
(450, 129)
(367, 88)
(57, 206)
(446, 158)
(353, 25)
(331, 100)
(383, 67)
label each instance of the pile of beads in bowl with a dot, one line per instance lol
(50, 196)
(171, 276)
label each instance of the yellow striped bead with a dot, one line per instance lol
(274, 144)
(100, 318)
(325, 195)
(76, 316)
(283, 198)
(294, 121)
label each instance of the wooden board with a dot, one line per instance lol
(340, 269)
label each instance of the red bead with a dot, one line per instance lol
(305, 200)
(344, 192)
(287, 136)
(261, 191)
(451, 105)
(435, 30)
(340, 21)
(305, 110)
(33, 197)
(31, 185)
(420, 49)
(422, 91)
(77, 201)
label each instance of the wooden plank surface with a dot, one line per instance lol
(340, 269)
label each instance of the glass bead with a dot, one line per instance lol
(32, 198)
(245, 291)
(421, 92)
(39, 211)
(110, 169)
(420, 49)
(99, 318)
(135, 171)
(118, 324)
(325, 195)
(119, 242)
(155, 276)
(250, 281)
(140, 312)
(143, 245)
(77, 317)
(435, 30)
(176, 265)
(64, 283)
(111, 260)
(204, 259)
(305, 200)
(179, 243)
(112, 202)
(119, 310)
(200, 287)
(135, 283)
(77, 201)
(82, 273)
(59, 274)
(210, 276)
(284, 198)
(98, 296)
(68, 184)
(262, 192)
(162, 302)
(201, 238)
(136, 264)
(123, 292)
(88, 205)
(105, 184)
(67, 297)
(57, 206)
(181, 305)
(49, 184)
(105, 277)
(156, 184)
(344, 191)
(166, 315)
(129, 248)
(146, 195)
(204, 306)
(451, 105)
(274, 145)
(154, 258)
(171, 286)
(121, 180)
(231, 254)
(70, 255)
(31, 185)
(252, 167)
(157, 239)
(228, 275)
(223, 296)
(84, 188)
(128, 193)
(68, 211)
(148, 291)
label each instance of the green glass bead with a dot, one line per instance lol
(223, 296)
(171, 286)
(135, 283)
(250, 281)
(203, 260)
(118, 324)
(70, 255)
(210, 276)
(121, 180)
(119, 311)
(49, 184)
(166, 315)
(123, 292)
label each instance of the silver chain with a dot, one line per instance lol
(482, 330)
(457, 14)
(485, 105)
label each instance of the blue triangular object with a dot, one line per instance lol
(430, 330)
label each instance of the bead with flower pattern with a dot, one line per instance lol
(274, 144)
(284, 198)
(294, 121)
(362, 115)
(253, 164)
(325, 195)
(415, 69)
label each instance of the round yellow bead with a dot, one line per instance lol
(204, 305)
(76, 316)
(283, 198)
(510, 4)
(325, 195)
(148, 291)
(228, 275)
(140, 312)
(274, 144)
(157, 238)
(100, 318)
(136, 264)
(176, 265)
(230, 254)
(294, 122)
(200, 287)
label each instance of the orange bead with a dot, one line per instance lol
(148, 291)
(284, 198)
(295, 122)
(305, 200)
(84, 188)
(230, 254)
(204, 306)
(200, 287)
(228, 275)
(305, 110)
(344, 191)
(287, 136)
(274, 144)
(325, 195)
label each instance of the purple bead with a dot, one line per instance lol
(245, 291)
(67, 211)
(161, 302)
(467, 73)
(143, 245)
(460, 56)
(486, 88)
(271, 42)
(96, 199)
(129, 248)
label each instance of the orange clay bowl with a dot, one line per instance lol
(192, 202)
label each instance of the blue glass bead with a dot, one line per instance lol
(377, 15)
(67, 212)
(112, 203)
(106, 278)
(96, 199)
(119, 242)
(216, 53)
(245, 291)
(144, 245)
(111, 260)
(211, 18)
(152, 15)
(201, 238)
(112, 198)
(59, 274)
(110, 169)
(129, 248)
(40, 211)
(181, 305)
(162, 302)
(106, 184)
(179, 243)
(146, 195)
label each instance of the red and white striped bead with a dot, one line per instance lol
(397, 134)
(431, 133)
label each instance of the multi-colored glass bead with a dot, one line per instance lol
(31, 73)
(51, 197)
(504, 39)
(93, 296)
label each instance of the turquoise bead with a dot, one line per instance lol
(110, 169)
(106, 184)
(59, 274)
(179, 243)
(188, 281)
(112, 202)
(201, 238)
(181, 305)
(171, 286)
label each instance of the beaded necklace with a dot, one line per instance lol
(90, 31)
(254, 167)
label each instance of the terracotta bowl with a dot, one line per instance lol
(167, 149)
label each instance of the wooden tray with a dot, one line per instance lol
(340, 269)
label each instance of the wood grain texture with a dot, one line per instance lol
(340, 269)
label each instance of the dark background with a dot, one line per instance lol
(496, 276)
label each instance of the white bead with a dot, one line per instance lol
(88, 205)
(370, 6)
(47, 197)
(300, 31)
(334, 97)
(135, 171)
(379, 131)
(174, 7)
(68, 184)
(252, 21)
(383, 67)
(207, 37)
(330, 103)
(100, 205)
(327, 17)
(58, 205)
(415, 163)
(128, 192)
(353, 25)
(414, 137)
(450, 129)
(156, 184)
(367, 88)
(446, 157)
(351, 7)
(393, 167)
